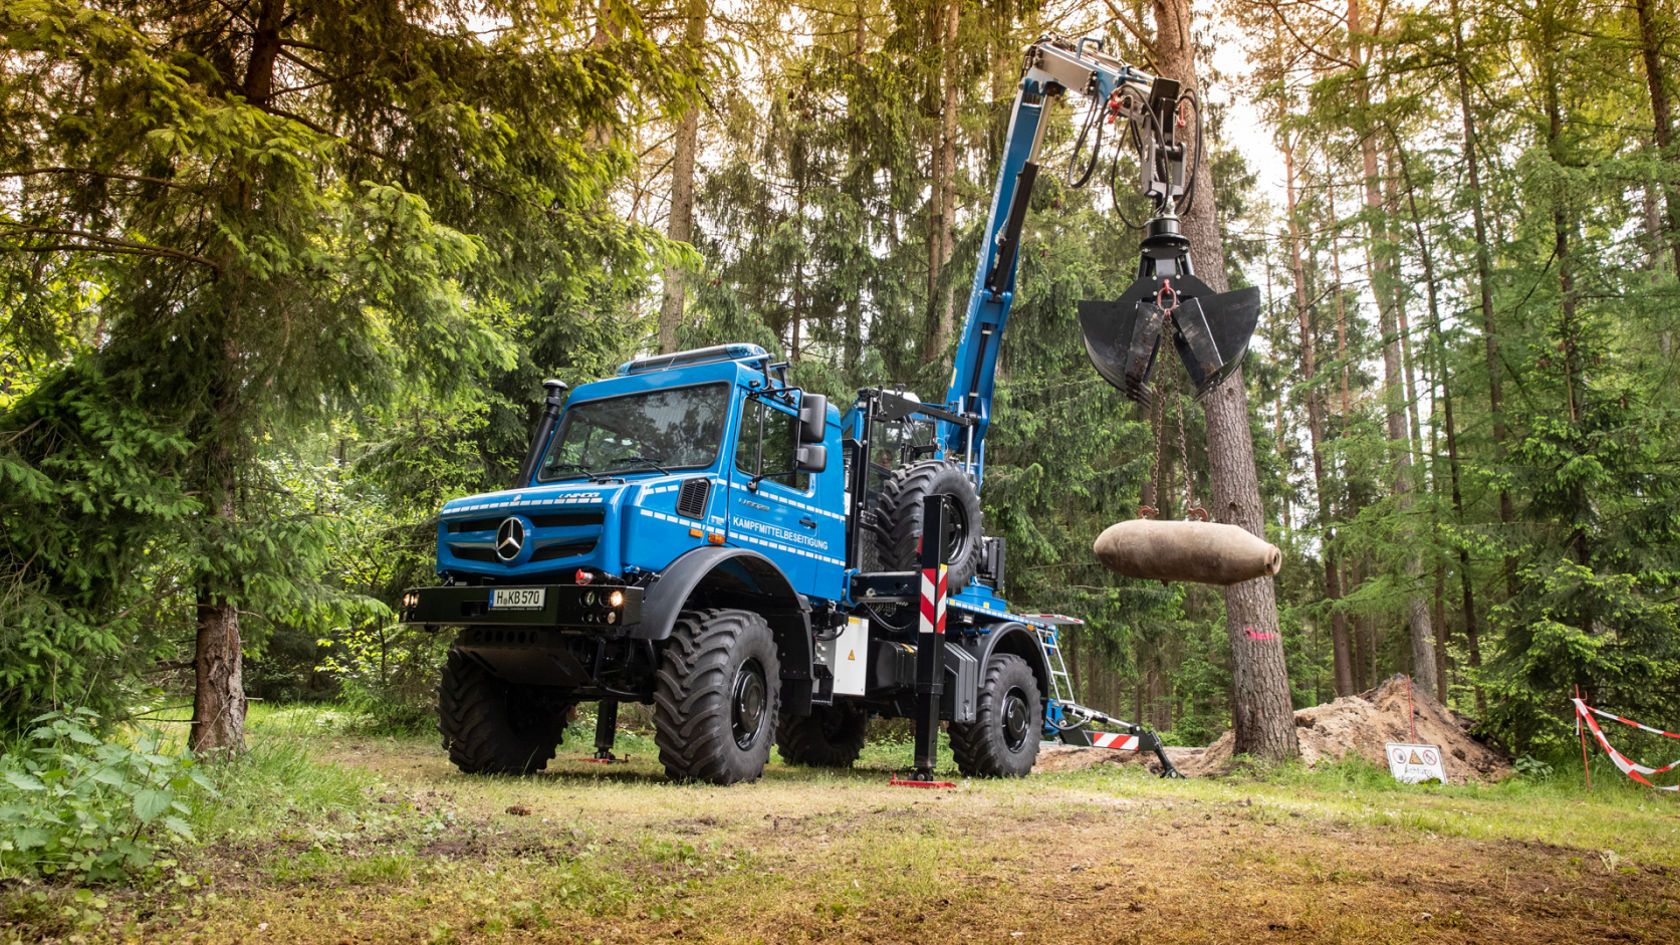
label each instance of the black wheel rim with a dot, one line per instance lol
(747, 703)
(1016, 720)
(956, 527)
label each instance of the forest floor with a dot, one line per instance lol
(386, 842)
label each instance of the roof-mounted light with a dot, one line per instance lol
(712, 355)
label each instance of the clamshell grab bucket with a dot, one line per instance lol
(1210, 331)
(1205, 552)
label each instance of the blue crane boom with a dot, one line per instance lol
(1211, 332)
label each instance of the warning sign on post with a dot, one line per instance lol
(1415, 764)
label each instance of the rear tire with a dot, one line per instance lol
(491, 726)
(1002, 741)
(716, 697)
(831, 736)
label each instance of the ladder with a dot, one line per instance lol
(1061, 684)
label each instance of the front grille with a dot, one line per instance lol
(691, 500)
(476, 524)
(554, 520)
(569, 550)
(469, 553)
(567, 519)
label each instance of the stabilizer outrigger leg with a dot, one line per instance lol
(1210, 330)
(606, 732)
(1134, 738)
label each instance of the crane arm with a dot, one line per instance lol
(1114, 335)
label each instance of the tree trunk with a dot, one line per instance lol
(1341, 655)
(1650, 49)
(1383, 286)
(942, 192)
(1490, 340)
(1467, 593)
(1261, 710)
(218, 723)
(1563, 226)
(679, 224)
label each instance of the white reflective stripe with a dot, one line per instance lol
(789, 549)
(786, 501)
(686, 523)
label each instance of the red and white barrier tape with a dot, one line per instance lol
(1585, 713)
(1643, 728)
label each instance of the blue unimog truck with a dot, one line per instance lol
(697, 534)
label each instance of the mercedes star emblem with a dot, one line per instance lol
(510, 538)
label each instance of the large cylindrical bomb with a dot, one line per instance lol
(1205, 552)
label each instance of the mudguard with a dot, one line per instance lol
(736, 577)
(1020, 640)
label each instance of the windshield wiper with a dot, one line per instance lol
(647, 461)
(555, 467)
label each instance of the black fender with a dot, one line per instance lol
(1020, 640)
(736, 577)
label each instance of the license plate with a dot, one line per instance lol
(517, 598)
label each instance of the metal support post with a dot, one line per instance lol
(930, 638)
(606, 730)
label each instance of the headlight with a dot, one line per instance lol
(616, 599)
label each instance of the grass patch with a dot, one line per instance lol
(380, 839)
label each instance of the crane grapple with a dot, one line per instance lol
(1209, 330)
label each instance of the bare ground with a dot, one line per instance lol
(1100, 856)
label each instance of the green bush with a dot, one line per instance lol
(78, 806)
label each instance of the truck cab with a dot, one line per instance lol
(703, 449)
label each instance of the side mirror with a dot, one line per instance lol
(811, 458)
(813, 419)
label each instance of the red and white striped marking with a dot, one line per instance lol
(1643, 728)
(933, 600)
(1637, 772)
(1116, 742)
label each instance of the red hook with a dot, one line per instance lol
(1163, 293)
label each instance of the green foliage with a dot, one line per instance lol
(89, 809)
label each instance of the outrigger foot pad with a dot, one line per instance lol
(921, 779)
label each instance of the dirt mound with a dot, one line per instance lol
(1358, 725)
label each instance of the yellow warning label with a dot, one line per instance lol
(851, 655)
(1414, 760)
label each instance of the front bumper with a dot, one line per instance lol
(588, 607)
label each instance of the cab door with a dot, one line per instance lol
(772, 506)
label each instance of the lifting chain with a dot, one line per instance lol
(1166, 299)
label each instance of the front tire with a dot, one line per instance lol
(716, 697)
(491, 726)
(830, 737)
(1002, 741)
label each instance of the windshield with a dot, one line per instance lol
(653, 431)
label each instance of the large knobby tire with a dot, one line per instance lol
(491, 726)
(899, 518)
(830, 737)
(1002, 741)
(716, 697)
